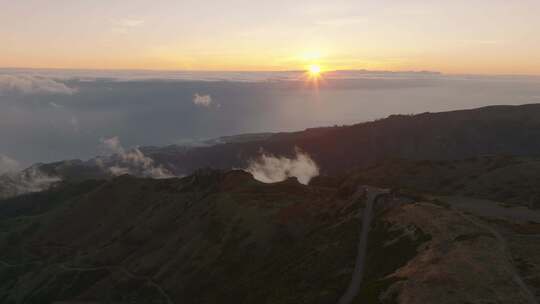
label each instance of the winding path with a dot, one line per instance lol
(529, 295)
(358, 274)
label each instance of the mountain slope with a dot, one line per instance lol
(202, 239)
(513, 130)
(495, 130)
(222, 237)
(506, 179)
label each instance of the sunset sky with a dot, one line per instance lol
(473, 36)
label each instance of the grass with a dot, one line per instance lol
(383, 260)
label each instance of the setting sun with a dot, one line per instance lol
(314, 70)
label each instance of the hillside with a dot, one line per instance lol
(506, 179)
(217, 237)
(456, 219)
(495, 130)
(512, 130)
(201, 239)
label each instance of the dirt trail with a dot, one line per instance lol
(529, 295)
(358, 274)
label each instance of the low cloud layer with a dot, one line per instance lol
(124, 25)
(8, 164)
(131, 161)
(271, 169)
(202, 100)
(51, 127)
(26, 181)
(30, 85)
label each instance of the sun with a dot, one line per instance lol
(314, 70)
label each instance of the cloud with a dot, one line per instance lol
(29, 85)
(202, 100)
(8, 164)
(32, 85)
(55, 105)
(270, 169)
(26, 181)
(214, 76)
(113, 145)
(34, 180)
(131, 161)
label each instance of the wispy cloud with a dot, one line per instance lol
(210, 76)
(202, 100)
(14, 182)
(55, 105)
(113, 145)
(270, 169)
(131, 161)
(28, 85)
(8, 164)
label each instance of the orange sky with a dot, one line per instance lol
(475, 36)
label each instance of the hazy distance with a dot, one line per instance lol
(48, 115)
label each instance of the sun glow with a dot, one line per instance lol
(314, 70)
(314, 76)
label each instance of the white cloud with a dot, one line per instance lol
(34, 180)
(8, 164)
(55, 105)
(113, 145)
(28, 85)
(202, 100)
(117, 171)
(131, 161)
(270, 169)
(26, 181)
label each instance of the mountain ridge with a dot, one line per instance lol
(219, 235)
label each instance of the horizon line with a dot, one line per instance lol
(421, 71)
